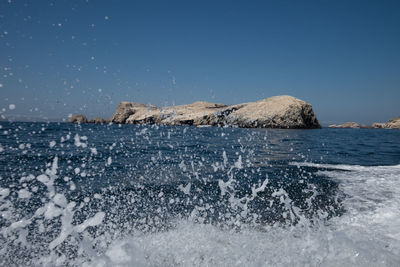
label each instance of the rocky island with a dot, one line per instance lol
(352, 125)
(274, 112)
(391, 124)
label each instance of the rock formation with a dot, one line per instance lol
(273, 112)
(98, 120)
(83, 119)
(125, 109)
(78, 119)
(347, 125)
(392, 124)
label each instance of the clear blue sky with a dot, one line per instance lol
(62, 57)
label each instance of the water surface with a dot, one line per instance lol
(107, 195)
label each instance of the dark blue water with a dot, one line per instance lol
(73, 194)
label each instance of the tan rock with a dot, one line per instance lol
(197, 113)
(378, 125)
(125, 109)
(273, 112)
(347, 125)
(394, 123)
(83, 119)
(78, 119)
(391, 124)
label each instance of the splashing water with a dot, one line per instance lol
(183, 196)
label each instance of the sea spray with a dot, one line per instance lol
(182, 196)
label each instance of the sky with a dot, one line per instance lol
(69, 57)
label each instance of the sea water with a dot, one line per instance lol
(129, 195)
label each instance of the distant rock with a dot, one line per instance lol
(346, 125)
(378, 125)
(125, 109)
(98, 120)
(392, 124)
(78, 119)
(273, 112)
(83, 119)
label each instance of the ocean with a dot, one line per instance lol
(148, 195)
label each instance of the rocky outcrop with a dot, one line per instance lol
(98, 120)
(125, 109)
(78, 119)
(83, 119)
(347, 125)
(392, 124)
(273, 112)
(197, 113)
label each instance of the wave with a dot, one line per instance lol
(60, 231)
(365, 235)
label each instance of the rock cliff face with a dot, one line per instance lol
(392, 124)
(273, 112)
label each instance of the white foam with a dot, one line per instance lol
(109, 161)
(185, 189)
(95, 220)
(205, 245)
(52, 144)
(43, 178)
(77, 141)
(23, 193)
(4, 192)
(366, 235)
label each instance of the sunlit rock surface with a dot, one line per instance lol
(392, 124)
(125, 109)
(347, 125)
(273, 112)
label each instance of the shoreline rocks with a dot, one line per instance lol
(352, 125)
(78, 119)
(83, 119)
(391, 124)
(274, 112)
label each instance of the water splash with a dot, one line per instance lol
(166, 200)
